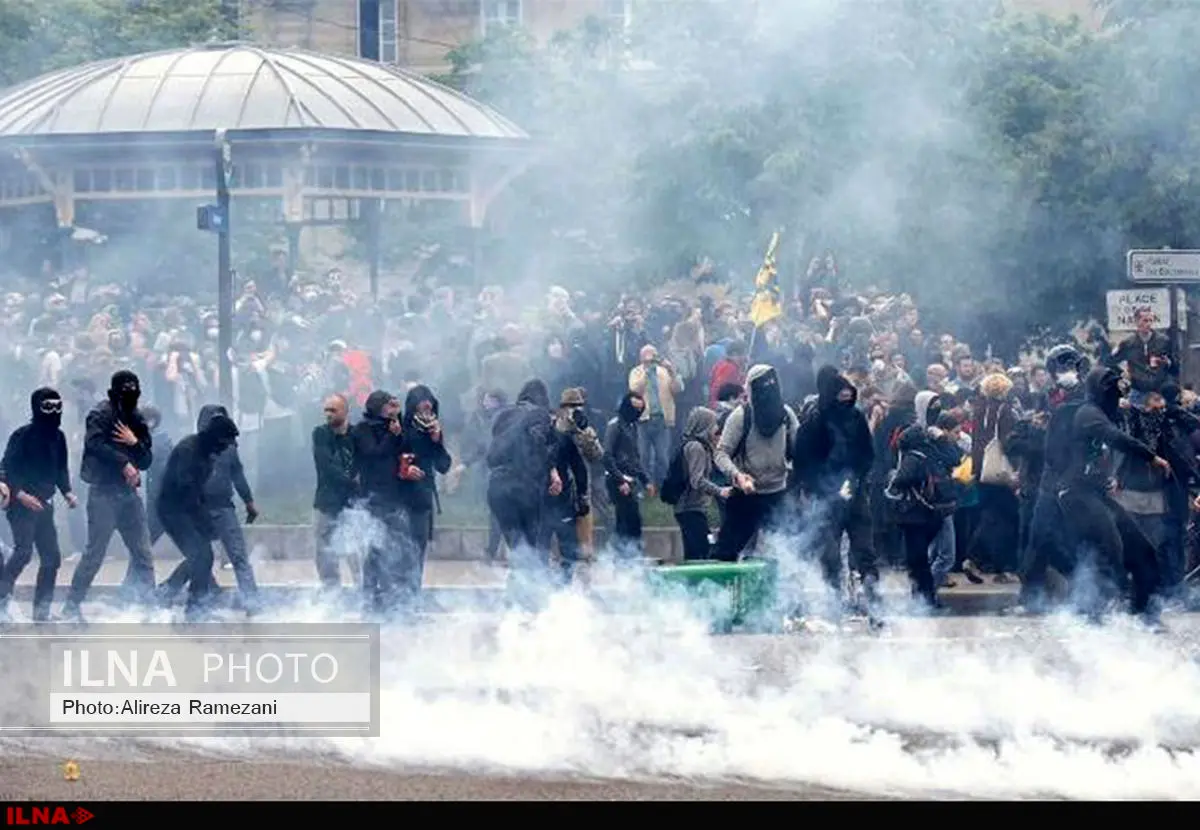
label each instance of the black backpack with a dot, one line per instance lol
(676, 481)
(915, 505)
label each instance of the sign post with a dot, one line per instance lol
(1166, 267)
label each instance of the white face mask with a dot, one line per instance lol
(1068, 379)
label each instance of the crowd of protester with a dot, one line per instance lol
(840, 417)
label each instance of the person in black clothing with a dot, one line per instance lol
(377, 449)
(624, 475)
(521, 468)
(921, 461)
(116, 448)
(227, 475)
(901, 414)
(1106, 538)
(184, 510)
(34, 467)
(422, 457)
(834, 456)
(337, 487)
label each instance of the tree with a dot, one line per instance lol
(37, 36)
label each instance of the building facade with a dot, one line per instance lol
(417, 34)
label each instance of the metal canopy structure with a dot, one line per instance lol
(320, 133)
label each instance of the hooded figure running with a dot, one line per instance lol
(34, 467)
(183, 506)
(1105, 536)
(116, 449)
(755, 452)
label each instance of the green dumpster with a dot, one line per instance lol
(739, 594)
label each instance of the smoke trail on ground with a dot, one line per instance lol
(994, 707)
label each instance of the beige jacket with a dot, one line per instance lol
(669, 386)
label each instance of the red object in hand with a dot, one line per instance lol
(408, 470)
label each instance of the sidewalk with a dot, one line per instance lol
(455, 585)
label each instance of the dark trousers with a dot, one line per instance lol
(394, 569)
(120, 510)
(228, 531)
(193, 542)
(852, 518)
(996, 539)
(1046, 547)
(917, 539)
(746, 516)
(1109, 543)
(627, 521)
(32, 530)
(693, 528)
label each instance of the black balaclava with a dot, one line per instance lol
(46, 406)
(766, 400)
(627, 412)
(124, 391)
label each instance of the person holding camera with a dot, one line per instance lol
(568, 516)
(656, 382)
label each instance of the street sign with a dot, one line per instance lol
(1124, 305)
(1164, 266)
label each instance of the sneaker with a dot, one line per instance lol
(972, 573)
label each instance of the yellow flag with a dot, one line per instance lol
(766, 305)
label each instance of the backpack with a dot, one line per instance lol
(676, 482)
(916, 505)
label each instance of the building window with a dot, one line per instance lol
(618, 13)
(377, 30)
(500, 13)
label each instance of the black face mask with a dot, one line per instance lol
(126, 398)
(47, 412)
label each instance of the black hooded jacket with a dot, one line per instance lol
(523, 448)
(228, 473)
(833, 444)
(621, 459)
(1094, 434)
(35, 459)
(377, 454)
(182, 492)
(431, 456)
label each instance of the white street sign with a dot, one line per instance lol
(1124, 305)
(1164, 266)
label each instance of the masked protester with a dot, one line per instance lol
(1105, 537)
(755, 452)
(34, 467)
(377, 449)
(572, 422)
(624, 474)
(185, 512)
(834, 454)
(116, 449)
(1046, 544)
(521, 471)
(423, 457)
(227, 475)
(337, 487)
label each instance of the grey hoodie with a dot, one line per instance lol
(763, 459)
(698, 459)
(227, 471)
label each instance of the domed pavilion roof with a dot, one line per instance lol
(242, 87)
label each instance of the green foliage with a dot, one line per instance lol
(37, 36)
(988, 162)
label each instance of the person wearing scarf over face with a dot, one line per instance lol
(755, 452)
(377, 449)
(116, 449)
(34, 467)
(423, 457)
